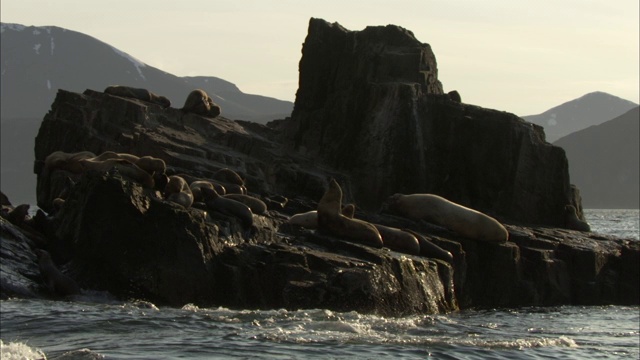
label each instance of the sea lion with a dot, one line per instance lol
(60, 160)
(124, 167)
(137, 93)
(228, 176)
(332, 222)
(178, 191)
(196, 186)
(429, 249)
(572, 221)
(151, 164)
(233, 188)
(199, 102)
(309, 219)
(455, 217)
(57, 282)
(114, 155)
(147, 163)
(275, 202)
(398, 240)
(256, 205)
(226, 206)
(220, 189)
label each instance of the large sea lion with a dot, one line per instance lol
(137, 93)
(308, 220)
(226, 206)
(106, 155)
(572, 221)
(332, 222)
(178, 191)
(57, 282)
(151, 164)
(124, 167)
(398, 240)
(256, 205)
(199, 102)
(228, 176)
(457, 218)
(60, 160)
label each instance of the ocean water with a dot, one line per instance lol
(97, 327)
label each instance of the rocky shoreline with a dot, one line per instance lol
(374, 117)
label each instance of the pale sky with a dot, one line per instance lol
(520, 56)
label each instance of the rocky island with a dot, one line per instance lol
(371, 114)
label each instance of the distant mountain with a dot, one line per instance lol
(591, 109)
(604, 162)
(37, 61)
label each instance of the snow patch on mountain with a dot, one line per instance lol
(137, 63)
(15, 27)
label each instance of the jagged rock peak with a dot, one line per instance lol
(370, 104)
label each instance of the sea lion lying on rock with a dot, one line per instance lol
(398, 240)
(228, 176)
(429, 249)
(199, 102)
(123, 167)
(178, 191)
(457, 218)
(226, 206)
(195, 183)
(60, 160)
(256, 205)
(332, 222)
(137, 93)
(149, 164)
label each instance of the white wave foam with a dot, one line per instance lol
(19, 351)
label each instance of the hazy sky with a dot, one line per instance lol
(521, 56)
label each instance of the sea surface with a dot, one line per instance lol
(97, 327)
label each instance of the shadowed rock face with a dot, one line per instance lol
(370, 104)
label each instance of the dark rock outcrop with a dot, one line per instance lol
(116, 235)
(370, 104)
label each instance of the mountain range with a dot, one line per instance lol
(604, 162)
(36, 61)
(591, 109)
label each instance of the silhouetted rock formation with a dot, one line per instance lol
(370, 104)
(116, 235)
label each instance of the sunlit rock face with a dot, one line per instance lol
(370, 104)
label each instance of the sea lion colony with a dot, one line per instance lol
(225, 195)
